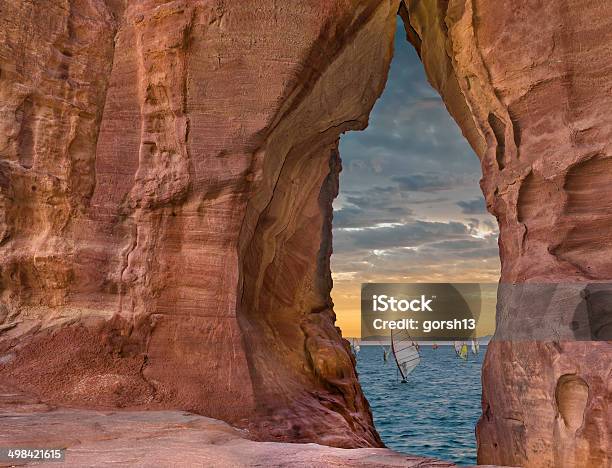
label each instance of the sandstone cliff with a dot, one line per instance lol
(166, 176)
(529, 84)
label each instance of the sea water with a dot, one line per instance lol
(434, 414)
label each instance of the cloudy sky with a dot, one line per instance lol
(410, 208)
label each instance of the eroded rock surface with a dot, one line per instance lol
(529, 84)
(166, 438)
(166, 177)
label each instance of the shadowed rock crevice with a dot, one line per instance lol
(499, 130)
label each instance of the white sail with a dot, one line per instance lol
(405, 352)
(457, 347)
(475, 346)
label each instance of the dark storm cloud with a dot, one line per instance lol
(473, 207)
(430, 182)
(481, 255)
(459, 245)
(375, 197)
(372, 206)
(407, 235)
(439, 259)
(474, 248)
(356, 217)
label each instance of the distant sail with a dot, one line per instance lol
(475, 347)
(385, 354)
(405, 352)
(463, 352)
(385, 350)
(457, 347)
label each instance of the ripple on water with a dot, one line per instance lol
(434, 414)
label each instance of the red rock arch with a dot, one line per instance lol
(166, 181)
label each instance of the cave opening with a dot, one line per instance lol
(409, 210)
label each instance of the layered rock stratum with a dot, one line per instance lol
(166, 176)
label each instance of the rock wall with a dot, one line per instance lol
(166, 176)
(529, 84)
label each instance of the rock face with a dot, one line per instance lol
(166, 176)
(167, 171)
(529, 84)
(166, 438)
